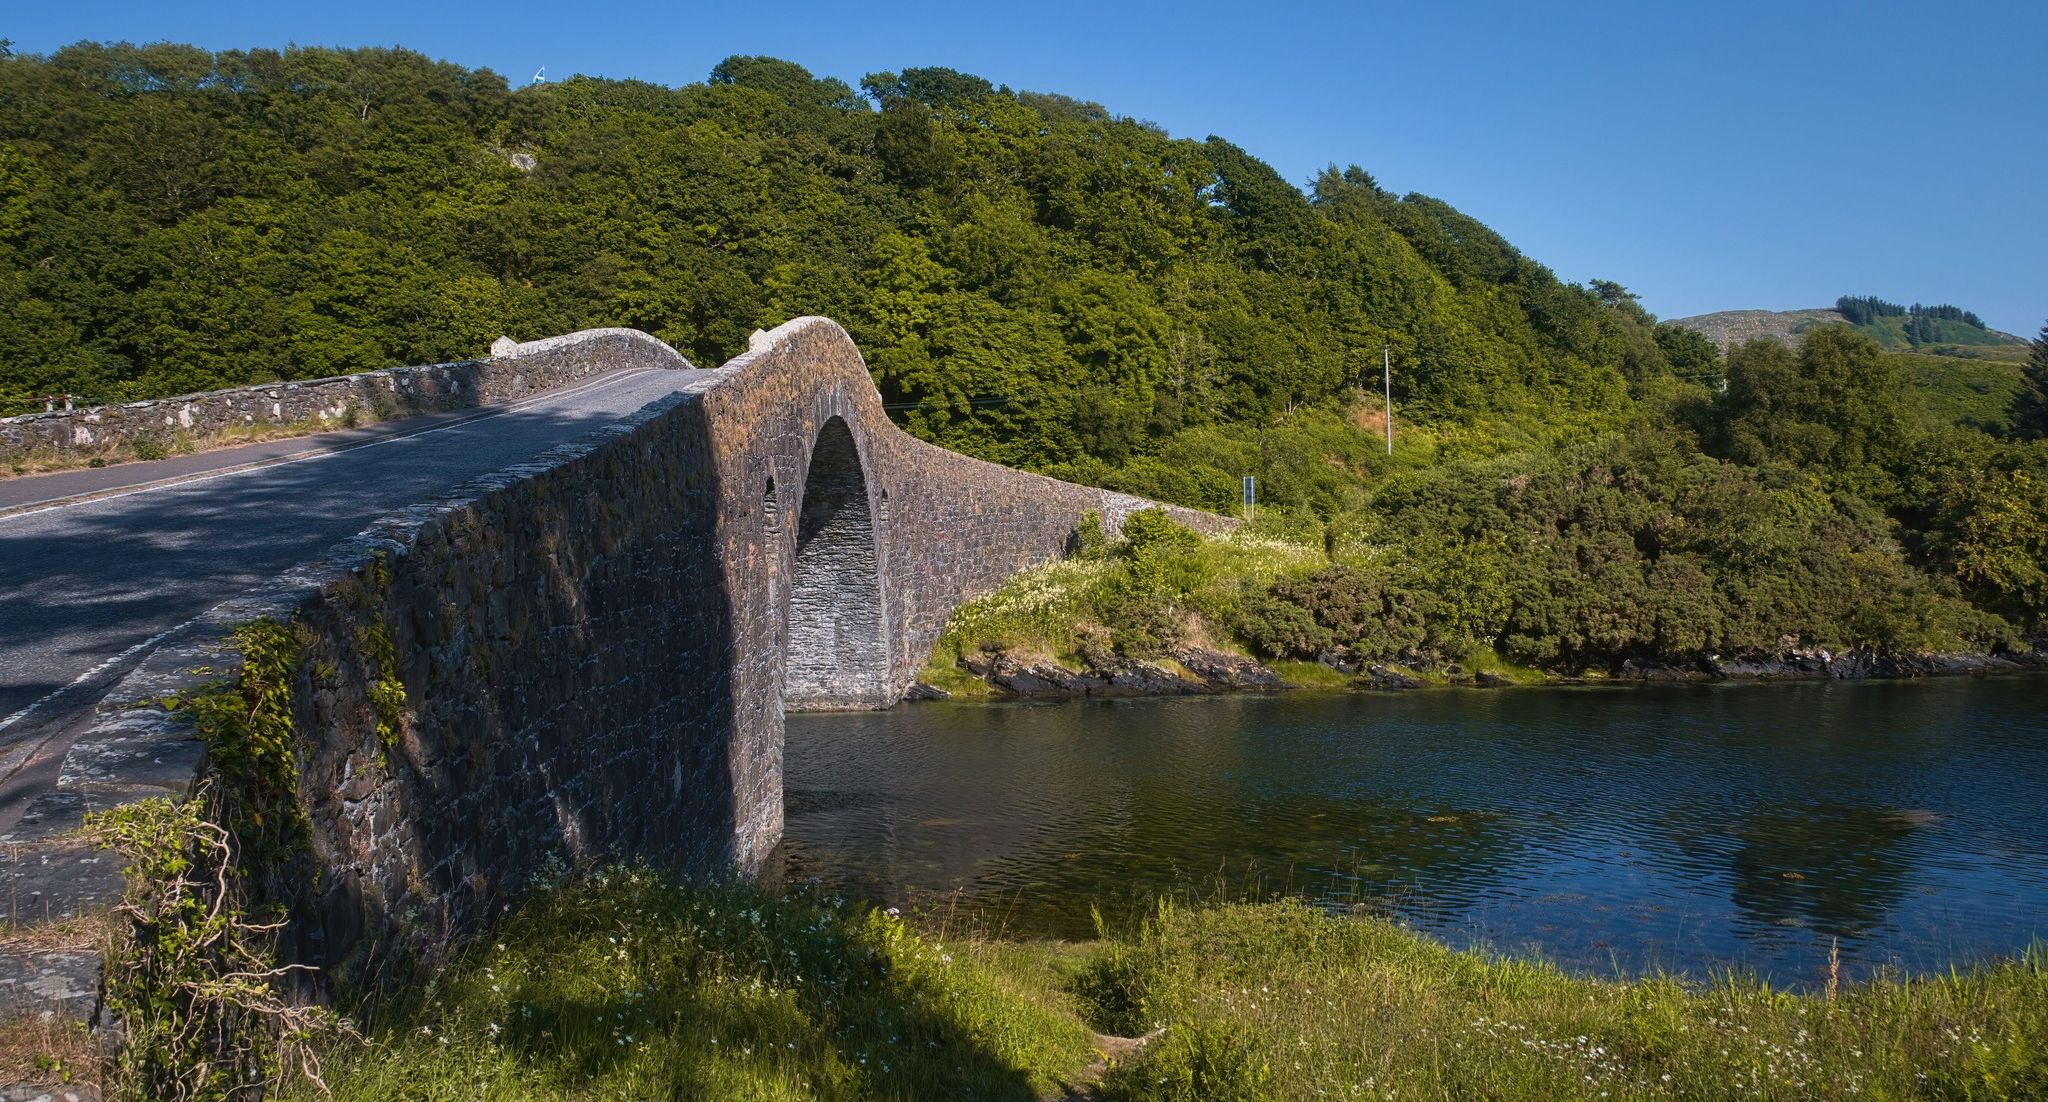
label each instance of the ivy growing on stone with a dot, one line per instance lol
(193, 973)
(373, 637)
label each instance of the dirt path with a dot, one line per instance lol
(1109, 1050)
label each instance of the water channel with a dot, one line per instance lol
(1613, 830)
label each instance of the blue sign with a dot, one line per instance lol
(1250, 492)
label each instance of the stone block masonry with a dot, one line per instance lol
(513, 370)
(597, 648)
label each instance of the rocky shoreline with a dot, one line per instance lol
(1193, 671)
(1196, 671)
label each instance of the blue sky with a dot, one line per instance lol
(1709, 156)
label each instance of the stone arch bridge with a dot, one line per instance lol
(596, 649)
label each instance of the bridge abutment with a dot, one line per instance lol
(596, 649)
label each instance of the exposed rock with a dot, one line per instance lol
(58, 881)
(1042, 680)
(1146, 679)
(1795, 663)
(1637, 669)
(1490, 680)
(1729, 328)
(57, 982)
(1343, 661)
(1380, 677)
(920, 691)
(1207, 671)
(1949, 665)
(1226, 672)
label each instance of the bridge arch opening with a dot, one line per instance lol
(838, 651)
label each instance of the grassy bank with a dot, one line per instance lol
(1265, 591)
(1279, 1001)
(626, 987)
(1492, 591)
(1130, 599)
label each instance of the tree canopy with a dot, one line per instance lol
(1042, 282)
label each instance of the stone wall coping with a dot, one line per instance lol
(514, 369)
(252, 390)
(656, 345)
(1116, 505)
(196, 653)
(270, 389)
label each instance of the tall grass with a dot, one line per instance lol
(1279, 1001)
(627, 987)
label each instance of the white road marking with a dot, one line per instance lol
(28, 508)
(87, 676)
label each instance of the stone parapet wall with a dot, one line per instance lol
(594, 646)
(521, 369)
(947, 528)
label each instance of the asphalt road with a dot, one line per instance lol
(86, 584)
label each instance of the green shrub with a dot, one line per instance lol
(1088, 542)
(1196, 1061)
(1095, 647)
(1275, 627)
(1145, 626)
(1149, 532)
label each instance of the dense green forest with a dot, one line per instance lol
(1041, 282)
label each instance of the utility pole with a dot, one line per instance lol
(1387, 382)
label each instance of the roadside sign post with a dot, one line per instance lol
(1387, 382)
(1251, 496)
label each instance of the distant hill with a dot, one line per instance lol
(1732, 327)
(1949, 332)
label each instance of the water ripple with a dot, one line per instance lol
(1683, 828)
